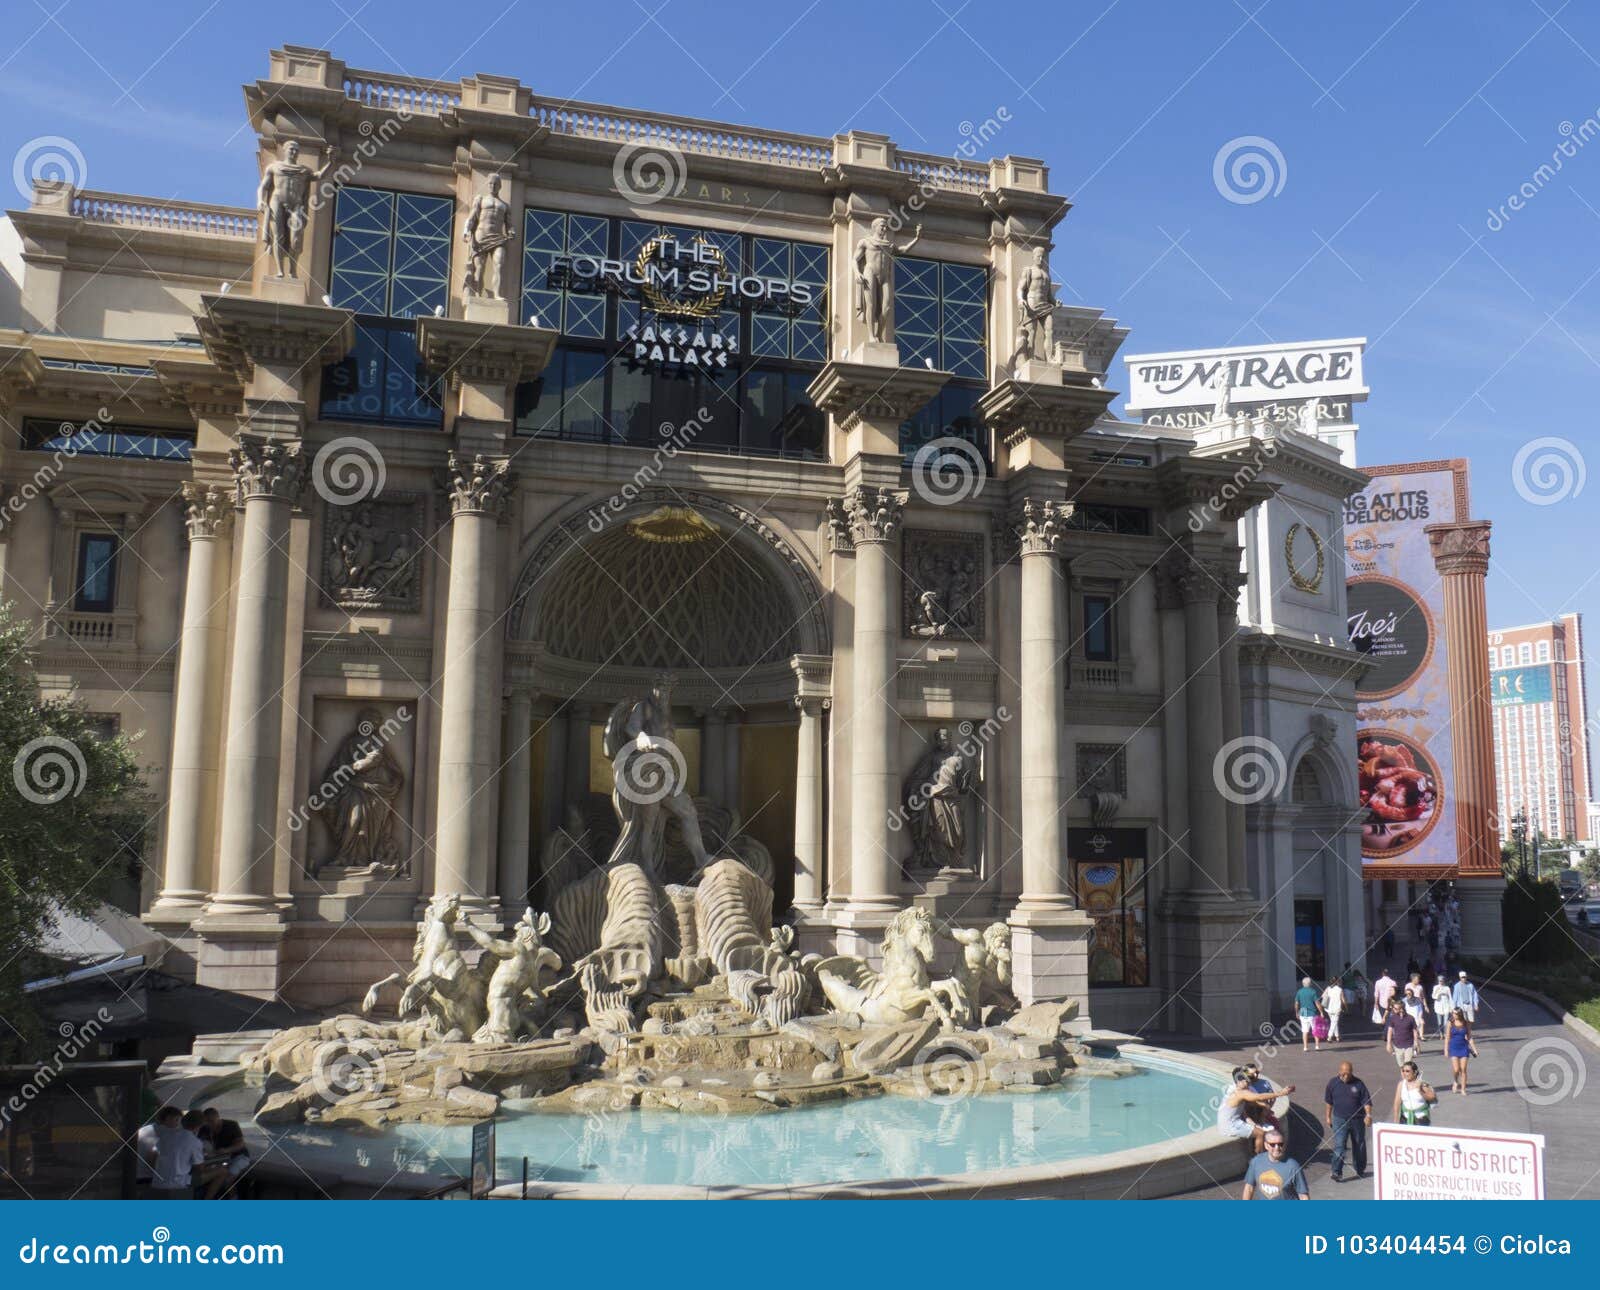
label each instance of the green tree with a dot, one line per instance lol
(72, 816)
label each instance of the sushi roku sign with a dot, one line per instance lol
(1396, 620)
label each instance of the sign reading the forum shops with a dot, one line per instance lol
(1396, 619)
(1421, 1162)
(1179, 389)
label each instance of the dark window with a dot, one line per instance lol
(952, 413)
(94, 439)
(391, 265)
(1110, 875)
(1310, 947)
(96, 579)
(1100, 517)
(1099, 629)
(778, 416)
(940, 315)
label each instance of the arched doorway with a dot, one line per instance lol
(686, 583)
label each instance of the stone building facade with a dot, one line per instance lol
(368, 544)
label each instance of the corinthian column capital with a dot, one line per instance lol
(867, 513)
(1039, 525)
(1460, 548)
(272, 468)
(479, 485)
(208, 511)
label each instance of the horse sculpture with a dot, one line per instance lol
(904, 989)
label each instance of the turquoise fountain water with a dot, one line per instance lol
(868, 1139)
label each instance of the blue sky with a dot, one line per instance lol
(1402, 125)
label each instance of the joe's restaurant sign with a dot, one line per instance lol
(1179, 389)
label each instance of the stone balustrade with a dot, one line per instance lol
(410, 94)
(704, 138)
(176, 217)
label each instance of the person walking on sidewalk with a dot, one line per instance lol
(1348, 1111)
(1465, 997)
(1441, 1006)
(1333, 1005)
(1308, 1005)
(1382, 991)
(1458, 1046)
(1274, 1174)
(1413, 1097)
(1400, 1035)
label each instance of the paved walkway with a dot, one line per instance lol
(1532, 1075)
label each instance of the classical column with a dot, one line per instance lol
(478, 489)
(516, 801)
(873, 515)
(1461, 555)
(1044, 875)
(730, 761)
(808, 797)
(579, 715)
(553, 793)
(1232, 717)
(1208, 809)
(197, 702)
(713, 779)
(271, 475)
(1173, 837)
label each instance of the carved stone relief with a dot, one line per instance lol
(942, 591)
(370, 554)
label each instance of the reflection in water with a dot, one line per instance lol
(883, 1137)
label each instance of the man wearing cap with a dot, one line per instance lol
(1465, 996)
(1274, 1174)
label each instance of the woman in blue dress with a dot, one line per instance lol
(1459, 1047)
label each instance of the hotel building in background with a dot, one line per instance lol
(1541, 727)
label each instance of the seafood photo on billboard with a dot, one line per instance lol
(1399, 793)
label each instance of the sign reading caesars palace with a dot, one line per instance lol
(1396, 618)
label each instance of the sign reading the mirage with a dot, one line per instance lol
(1421, 1162)
(1172, 389)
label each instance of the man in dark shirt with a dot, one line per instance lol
(1400, 1033)
(1348, 1111)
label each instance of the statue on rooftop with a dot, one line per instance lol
(1222, 383)
(283, 203)
(487, 234)
(875, 278)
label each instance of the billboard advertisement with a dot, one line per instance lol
(1169, 388)
(1510, 687)
(1396, 619)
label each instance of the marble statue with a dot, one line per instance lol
(904, 989)
(1222, 383)
(1309, 419)
(932, 617)
(649, 774)
(515, 1002)
(283, 201)
(935, 800)
(984, 971)
(1036, 303)
(487, 233)
(875, 278)
(361, 816)
(449, 991)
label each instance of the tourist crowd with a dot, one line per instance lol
(191, 1155)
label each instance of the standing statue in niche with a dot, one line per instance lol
(282, 203)
(487, 234)
(875, 278)
(1036, 301)
(361, 817)
(935, 801)
(1222, 383)
(650, 777)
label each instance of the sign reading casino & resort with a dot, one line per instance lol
(1396, 619)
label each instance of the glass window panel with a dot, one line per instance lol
(583, 410)
(588, 235)
(1098, 638)
(410, 392)
(771, 259)
(97, 565)
(964, 284)
(543, 305)
(810, 263)
(916, 277)
(544, 230)
(351, 388)
(769, 336)
(810, 343)
(586, 316)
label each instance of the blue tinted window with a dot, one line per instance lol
(940, 315)
(548, 235)
(97, 574)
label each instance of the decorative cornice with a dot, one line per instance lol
(853, 392)
(495, 354)
(813, 675)
(1461, 547)
(208, 511)
(870, 513)
(1318, 658)
(1015, 410)
(240, 332)
(479, 486)
(275, 469)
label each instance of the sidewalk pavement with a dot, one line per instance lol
(1533, 1075)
